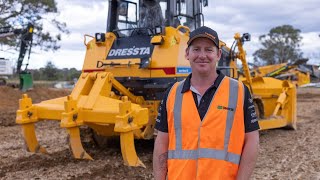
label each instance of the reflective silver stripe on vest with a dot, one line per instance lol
(183, 154)
(177, 116)
(205, 152)
(233, 100)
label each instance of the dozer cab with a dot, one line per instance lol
(126, 71)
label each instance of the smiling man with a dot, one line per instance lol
(205, 127)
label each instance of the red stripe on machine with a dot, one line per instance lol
(167, 70)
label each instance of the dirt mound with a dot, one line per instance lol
(9, 100)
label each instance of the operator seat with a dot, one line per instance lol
(151, 14)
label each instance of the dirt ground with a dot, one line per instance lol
(284, 154)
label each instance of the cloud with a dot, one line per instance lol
(63, 59)
(260, 16)
(227, 17)
(83, 16)
(82, 3)
(310, 48)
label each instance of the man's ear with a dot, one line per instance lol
(219, 53)
(186, 55)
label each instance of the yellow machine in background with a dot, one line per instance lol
(264, 70)
(274, 99)
(126, 71)
(284, 71)
(296, 76)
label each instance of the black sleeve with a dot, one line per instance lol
(161, 121)
(250, 116)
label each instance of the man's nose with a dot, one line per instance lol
(202, 54)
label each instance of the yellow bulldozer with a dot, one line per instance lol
(127, 69)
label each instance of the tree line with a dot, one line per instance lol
(51, 73)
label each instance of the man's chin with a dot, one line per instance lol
(203, 71)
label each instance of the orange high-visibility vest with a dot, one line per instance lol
(211, 148)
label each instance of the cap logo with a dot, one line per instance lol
(210, 35)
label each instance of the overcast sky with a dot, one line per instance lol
(226, 17)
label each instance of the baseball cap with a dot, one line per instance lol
(205, 32)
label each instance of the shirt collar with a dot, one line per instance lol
(187, 82)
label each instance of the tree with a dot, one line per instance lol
(280, 45)
(74, 74)
(22, 12)
(50, 71)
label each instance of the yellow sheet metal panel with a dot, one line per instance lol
(96, 52)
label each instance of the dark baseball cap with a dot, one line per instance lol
(205, 32)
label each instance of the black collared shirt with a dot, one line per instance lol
(250, 118)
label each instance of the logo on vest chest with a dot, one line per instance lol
(224, 108)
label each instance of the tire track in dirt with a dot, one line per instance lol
(37, 160)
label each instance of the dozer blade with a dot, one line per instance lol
(31, 139)
(128, 150)
(75, 144)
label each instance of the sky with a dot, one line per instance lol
(226, 17)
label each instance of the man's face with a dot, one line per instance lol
(203, 56)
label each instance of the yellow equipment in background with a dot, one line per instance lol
(126, 72)
(296, 76)
(285, 71)
(275, 100)
(264, 70)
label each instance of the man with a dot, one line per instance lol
(207, 127)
